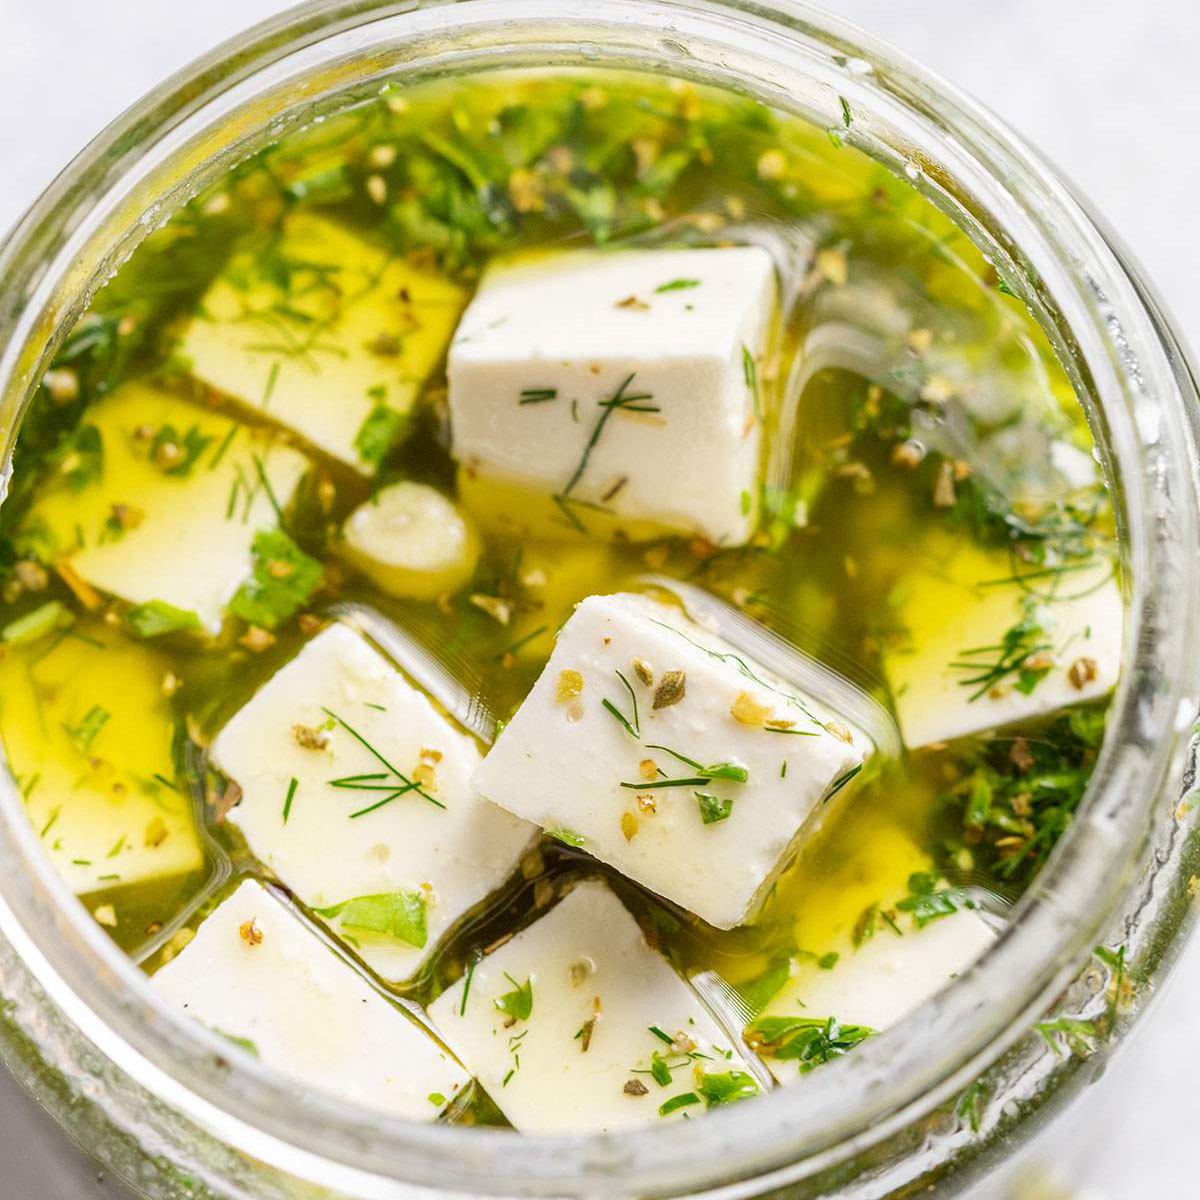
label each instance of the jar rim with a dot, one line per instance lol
(790, 54)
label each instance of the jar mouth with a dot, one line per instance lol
(308, 61)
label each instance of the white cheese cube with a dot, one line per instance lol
(982, 653)
(175, 527)
(335, 347)
(576, 1026)
(88, 735)
(635, 697)
(356, 794)
(875, 985)
(634, 374)
(255, 974)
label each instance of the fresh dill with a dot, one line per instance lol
(622, 400)
(291, 795)
(408, 784)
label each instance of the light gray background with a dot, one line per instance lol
(1107, 88)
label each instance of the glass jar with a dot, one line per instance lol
(934, 1100)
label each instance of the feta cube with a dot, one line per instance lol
(98, 781)
(576, 1026)
(147, 523)
(339, 352)
(635, 698)
(356, 794)
(255, 974)
(956, 675)
(875, 985)
(635, 374)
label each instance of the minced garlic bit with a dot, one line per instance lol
(62, 383)
(424, 775)
(256, 639)
(747, 710)
(937, 389)
(106, 915)
(381, 157)
(377, 188)
(670, 689)
(839, 731)
(32, 576)
(527, 190)
(629, 825)
(647, 803)
(908, 454)
(648, 768)
(310, 738)
(944, 493)
(250, 932)
(919, 340)
(179, 941)
(641, 668)
(570, 686)
(771, 163)
(496, 608)
(832, 266)
(1082, 671)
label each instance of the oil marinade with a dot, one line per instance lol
(911, 407)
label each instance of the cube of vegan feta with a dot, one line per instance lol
(88, 735)
(983, 651)
(256, 975)
(896, 962)
(651, 744)
(356, 793)
(328, 334)
(635, 374)
(576, 1026)
(158, 503)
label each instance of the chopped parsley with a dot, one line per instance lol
(157, 617)
(677, 1102)
(241, 1043)
(399, 915)
(807, 1041)
(518, 1003)
(284, 578)
(1011, 798)
(184, 451)
(713, 808)
(378, 433)
(927, 902)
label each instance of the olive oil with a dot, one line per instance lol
(909, 401)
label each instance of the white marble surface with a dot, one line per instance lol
(1107, 88)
